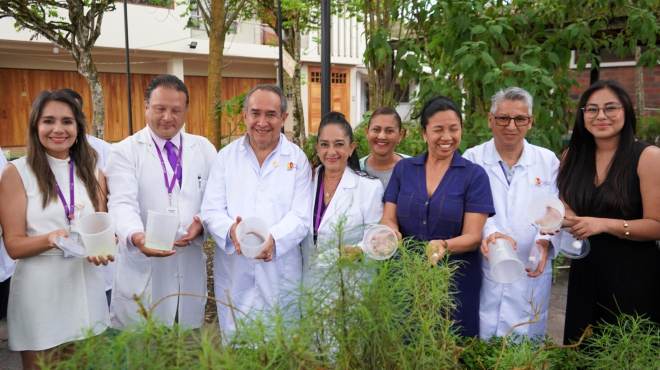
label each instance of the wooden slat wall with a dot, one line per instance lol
(232, 86)
(19, 87)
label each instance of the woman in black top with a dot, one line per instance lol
(611, 184)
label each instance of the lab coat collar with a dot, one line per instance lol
(283, 146)
(349, 180)
(145, 136)
(492, 157)
(456, 161)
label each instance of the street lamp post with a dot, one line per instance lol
(325, 57)
(128, 71)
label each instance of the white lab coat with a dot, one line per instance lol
(279, 193)
(136, 185)
(504, 305)
(357, 203)
(103, 149)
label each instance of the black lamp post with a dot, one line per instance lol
(325, 57)
(128, 71)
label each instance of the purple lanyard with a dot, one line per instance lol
(320, 206)
(169, 185)
(69, 209)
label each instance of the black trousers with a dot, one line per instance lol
(4, 298)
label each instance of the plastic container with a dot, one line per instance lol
(97, 231)
(573, 248)
(379, 242)
(547, 214)
(161, 230)
(252, 234)
(534, 258)
(505, 267)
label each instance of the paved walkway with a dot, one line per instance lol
(8, 360)
(557, 310)
(12, 360)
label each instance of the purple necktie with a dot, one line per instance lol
(172, 157)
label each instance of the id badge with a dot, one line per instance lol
(172, 208)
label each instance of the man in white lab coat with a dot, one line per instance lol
(519, 174)
(163, 169)
(261, 174)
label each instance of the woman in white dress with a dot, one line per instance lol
(53, 299)
(345, 199)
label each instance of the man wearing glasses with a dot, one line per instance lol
(520, 173)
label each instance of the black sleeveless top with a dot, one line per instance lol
(618, 275)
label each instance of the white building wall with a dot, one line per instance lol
(160, 42)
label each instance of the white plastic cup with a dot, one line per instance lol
(505, 267)
(161, 230)
(379, 242)
(573, 248)
(252, 234)
(547, 214)
(97, 231)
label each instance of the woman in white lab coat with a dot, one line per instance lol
(502, 306)
(345, 199)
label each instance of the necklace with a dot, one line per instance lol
(329, 191)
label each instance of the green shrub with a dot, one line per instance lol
(648, 129)
(366, 314)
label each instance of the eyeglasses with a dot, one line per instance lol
(591, 111)
(504, 121)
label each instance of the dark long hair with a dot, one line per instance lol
(437, 104)
(578, 167)
(83, 155)
(337, 118)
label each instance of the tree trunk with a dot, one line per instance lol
(293, 85)
(86, 67)
(380, 73)
(214, 86)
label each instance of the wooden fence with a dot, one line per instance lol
(19, 87)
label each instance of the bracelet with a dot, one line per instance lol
(626, 231)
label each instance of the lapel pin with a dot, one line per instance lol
(290, 166)
(537, 180)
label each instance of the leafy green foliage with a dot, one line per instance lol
(648, 129)
(363, 314)
(468, 50)
(160, 3)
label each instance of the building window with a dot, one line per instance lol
(338, 78)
